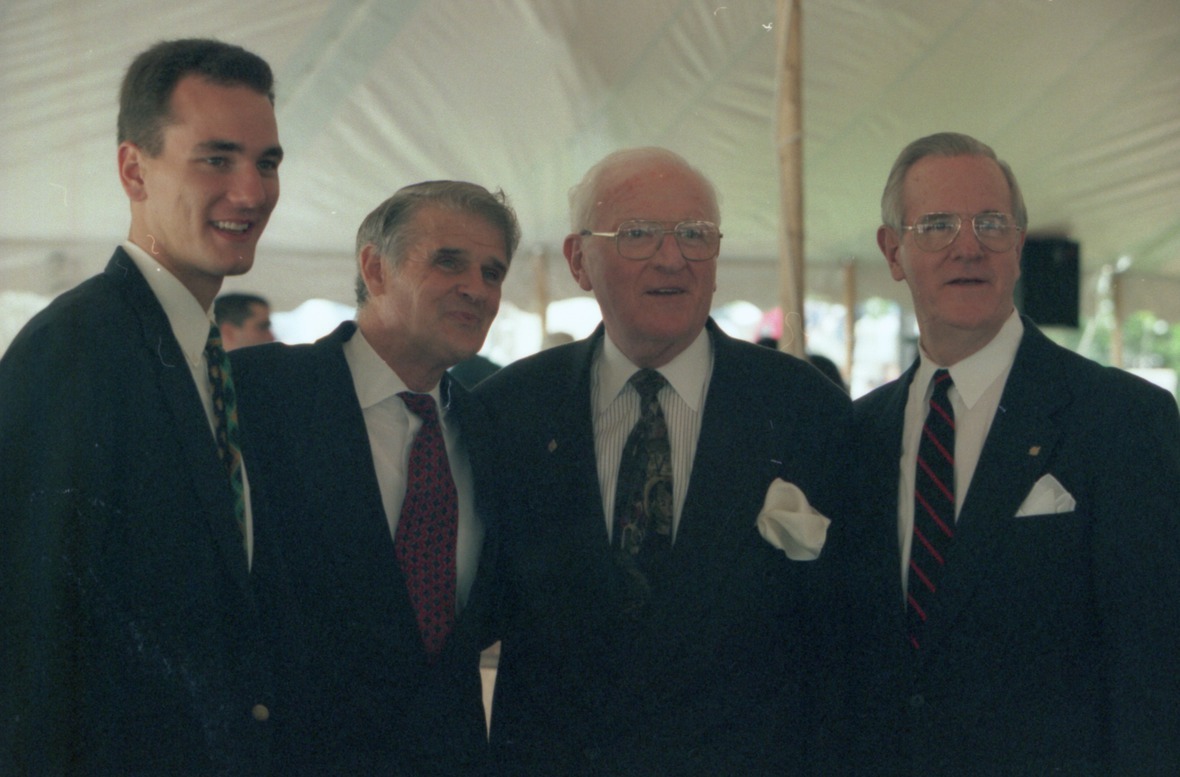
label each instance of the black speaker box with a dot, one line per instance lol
(1050, 280)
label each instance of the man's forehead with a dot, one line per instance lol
(446, 230)
(631, 193)
(937, 179)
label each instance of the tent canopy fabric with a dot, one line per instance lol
(1082, 97)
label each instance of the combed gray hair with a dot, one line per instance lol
(944, 144)
(614, 167)
(389, 229)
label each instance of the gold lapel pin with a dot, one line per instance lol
(552, 445)
(1034, 451)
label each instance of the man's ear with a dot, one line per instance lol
(373, 269)
(889, 244)
(131, 158)
(572, 248)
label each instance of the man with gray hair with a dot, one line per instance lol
(650, 626)
(1027, 501)
(364, 481)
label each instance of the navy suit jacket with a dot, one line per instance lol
(1052, 646)
(715, 676)
(132, 642)
(358, 694)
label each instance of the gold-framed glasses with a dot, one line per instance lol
(699, 241)
(936, 231)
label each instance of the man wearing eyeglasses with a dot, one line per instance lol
(657, 635)
(1026, 500)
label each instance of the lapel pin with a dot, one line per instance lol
(552, 445)
(1034, 451)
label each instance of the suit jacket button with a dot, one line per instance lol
(260, 713)
(917, 701)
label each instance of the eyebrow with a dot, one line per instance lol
(230, 147)
(460, 253)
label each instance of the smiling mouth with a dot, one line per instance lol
(664, 292)
(234, 227)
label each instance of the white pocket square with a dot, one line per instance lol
(1047, 497)
(790, 524)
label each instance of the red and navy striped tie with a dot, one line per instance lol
(934, 506)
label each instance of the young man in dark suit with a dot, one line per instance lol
(132, 642)
(1035, 626)
(388, 678)
(647, 627)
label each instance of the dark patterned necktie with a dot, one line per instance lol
(225, 414)
(429, 527)
(643, 495)
(934, 505)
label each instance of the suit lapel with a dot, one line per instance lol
(569, 441)
(718, 489)
(1019, 447)
(353, 524)
(190, 426)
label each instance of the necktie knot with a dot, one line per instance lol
(421, 405)
(942, 382)
(648, 383)
(213, 342)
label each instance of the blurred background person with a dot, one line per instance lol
(244, 319)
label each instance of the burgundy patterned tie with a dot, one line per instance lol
(428, 528)
(934, 505)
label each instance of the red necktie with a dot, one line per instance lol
(934, 506)
(428, 528)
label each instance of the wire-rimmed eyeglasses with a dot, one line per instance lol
(699, 241)
(936, 231)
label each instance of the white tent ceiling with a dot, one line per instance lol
(1081, 96)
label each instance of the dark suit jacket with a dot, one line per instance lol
(131, 642)
(1052, 647)
(362, 698)
(713, 678)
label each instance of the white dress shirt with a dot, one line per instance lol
(979, 382)
(615, 405)
(190, 324)
(392, 427)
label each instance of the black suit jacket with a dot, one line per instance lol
(132, 643)
(358, 694)
(1052, 647)
(714, 677)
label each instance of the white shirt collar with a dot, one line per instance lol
(374, 380)
(973, 375)
(190, 324)
(685, 374)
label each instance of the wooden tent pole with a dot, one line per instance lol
(849, 318)
(541, 289)
(1116, 332)
(788, 28)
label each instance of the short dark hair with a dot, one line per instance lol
(145, 98)
(388, 226)
(234, 307)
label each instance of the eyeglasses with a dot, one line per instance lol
(699, 241)
(936, 231)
